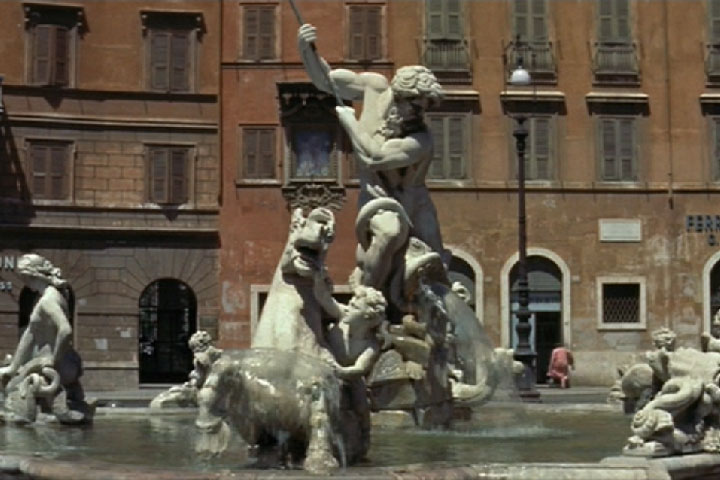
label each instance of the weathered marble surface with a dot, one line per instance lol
(42, 379)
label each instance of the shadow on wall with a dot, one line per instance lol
(15, 199)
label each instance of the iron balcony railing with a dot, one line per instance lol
(615, 59)
(446, 55)
(538, 58)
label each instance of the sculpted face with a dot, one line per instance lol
(308, 243)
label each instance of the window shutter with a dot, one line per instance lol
(179, 58)
(41, 54)
(606, 30)
(539, 21)
(178, 175)
(267, 153)
(716, 149)
(435, 22)
(622, 12)
(608, 150)
(521, 15)
(541, 148)
(356, 33)
(61, 51)
(159, 54)
(454, 20)
(250, 153)
(38, 167)
(437, 130)
(456, 147)
(252, 31)
(372, 33)
(626, 149)
(58, 172)
(715, 21)
(158, 173)
(266, 33)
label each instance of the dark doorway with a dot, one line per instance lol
(547, 337)
(168, 316)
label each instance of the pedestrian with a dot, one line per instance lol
(561, 361)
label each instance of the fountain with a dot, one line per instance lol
(315, 395)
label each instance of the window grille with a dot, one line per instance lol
(621, 303)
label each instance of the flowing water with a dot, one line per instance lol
(496, 434)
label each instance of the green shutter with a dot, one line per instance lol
(453, 17)
(541, 148)
(609, 155)
(435, 19)
(539, 21)
(626, 149)
(521, 15)
(714, 9)
(605, 20)
(437, 130)
(456, 147)
(622, 20)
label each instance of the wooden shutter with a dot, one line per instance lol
(626, 149)
(41, 54)
(251, 162)
(714, 9)
(61, 51)
(58, 172)
(38, 166)
(179, 175)
(541, 136)
(716, 146)
(435, 19)
(373, 33)
(453, 17)
(159, 60)
(357, 33)
(522, 14)
(539, 21)
(179, 61)
(609, 146)
(266, 34)
(605, 20)
(251, 29)
(437, 130)
(614, 21)
(259, 153)
(622, 20)
(158, 174)
(267, 153)
(456, 147)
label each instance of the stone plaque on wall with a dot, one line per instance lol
(620, 230)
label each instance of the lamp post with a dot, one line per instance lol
(524, 351)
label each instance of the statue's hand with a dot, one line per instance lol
(345, 114)
(5, 372)
(307, 34)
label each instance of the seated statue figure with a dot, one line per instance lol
(185, 395)
(44, 370)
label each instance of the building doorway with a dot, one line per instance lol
(545, 282)
(168, 316)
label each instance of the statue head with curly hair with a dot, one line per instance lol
(35, 267)
(200, 341)
(664, 339)
(367, 306)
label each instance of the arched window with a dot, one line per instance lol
(168, 311)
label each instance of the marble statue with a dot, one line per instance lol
(42, 377)
(710, 342)
(185, 395)
(683, 413)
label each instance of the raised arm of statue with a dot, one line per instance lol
(383, 154)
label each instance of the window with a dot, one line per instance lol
(530, 21)
(258, 33)
(168, 173)
(258, 153)
(49, 169)
(712, 64)
(617, 147)
(450, 139)
(615, 53)
(621, 302)
(52, 32)
(445, 46)
(715, 136)
(171, 43)
(314, 151)
(365, 32)
(539, 150)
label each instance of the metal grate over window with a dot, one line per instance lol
(621, 303)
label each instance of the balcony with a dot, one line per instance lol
(712, 64)
(538, 60)
(448, 59)
(616, 63)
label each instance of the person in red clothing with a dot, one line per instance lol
(561, 361)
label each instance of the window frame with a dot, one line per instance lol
(382, 32)
(173, 24)
(600, 149)
(276, 34)
(641, 324)
(69, 18)
(533, 39)
(190, 158)
(241, 174)
(335, 157)
(616, 37)
(466, 156)
(68, 183)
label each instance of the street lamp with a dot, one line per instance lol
(523, 352)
